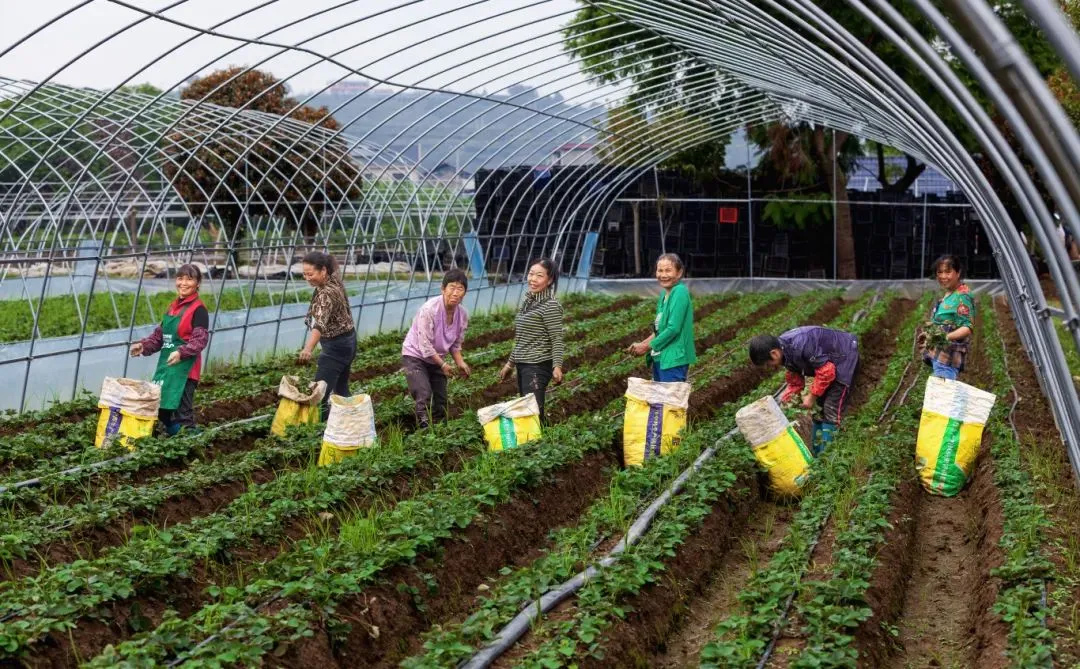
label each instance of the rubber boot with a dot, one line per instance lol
(172, 429)
(828, 432)
(817, 443)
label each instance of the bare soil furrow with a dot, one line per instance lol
(385, 618)
(695, 620)
(699, 600)
(932, 591)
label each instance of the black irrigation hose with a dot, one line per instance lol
(520, 624)
(214, 636)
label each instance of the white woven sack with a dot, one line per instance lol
(351, 423)
(761, 421)
(958, 401)
(673, 394)
(519, 408)
(289, 390)
(137, 398)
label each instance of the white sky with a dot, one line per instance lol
(392, 45)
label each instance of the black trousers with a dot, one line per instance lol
(830, 406)
(427, 386)
(534, 378)
(335, 362)
(183, 415)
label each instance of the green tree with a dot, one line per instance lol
(144, 88)
(234, 174)
(612, 49)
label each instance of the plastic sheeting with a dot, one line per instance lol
(52, 368)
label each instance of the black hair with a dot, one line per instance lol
(455, 276)
(672, 258)
(761, 348)
(190, 271)
(549, 267)
(951, 261)
(320, 260)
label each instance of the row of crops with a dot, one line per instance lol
(232, 548)
(64, 315)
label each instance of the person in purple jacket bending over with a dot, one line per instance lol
(437, 329)
(829, 356)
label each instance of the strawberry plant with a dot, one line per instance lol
(742, 637)
(832, 609)
(629, 492)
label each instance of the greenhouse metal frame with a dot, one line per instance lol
(97, 179)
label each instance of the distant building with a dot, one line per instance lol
(863, 176)
(576, 153)
(399, 171)
(349, 87)
(456, 181)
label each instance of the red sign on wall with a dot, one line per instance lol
(727, 215)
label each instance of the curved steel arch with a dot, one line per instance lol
(105, 157)
(707, 40)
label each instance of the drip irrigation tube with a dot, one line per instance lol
(34, 482)
(778, 626)
(516, 628)
(521, 623)
(903, 375)
(791, 597)
(865, 310)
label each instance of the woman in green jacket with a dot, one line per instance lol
(671, 345)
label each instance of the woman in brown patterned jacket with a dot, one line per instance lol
(331, 326)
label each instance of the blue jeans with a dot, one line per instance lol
(668, 375)
(943, 371)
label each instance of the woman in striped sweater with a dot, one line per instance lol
(538, 334)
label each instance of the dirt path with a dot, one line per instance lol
(945, 596)
(762, 536)
(934, 629)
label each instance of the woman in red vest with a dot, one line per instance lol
(181, 337)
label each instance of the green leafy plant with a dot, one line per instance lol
(809, 210)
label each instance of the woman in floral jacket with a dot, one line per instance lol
(945, 344)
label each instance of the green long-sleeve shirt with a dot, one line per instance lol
(673, 345)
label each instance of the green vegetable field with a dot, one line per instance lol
(231, 548)
(60, 316)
